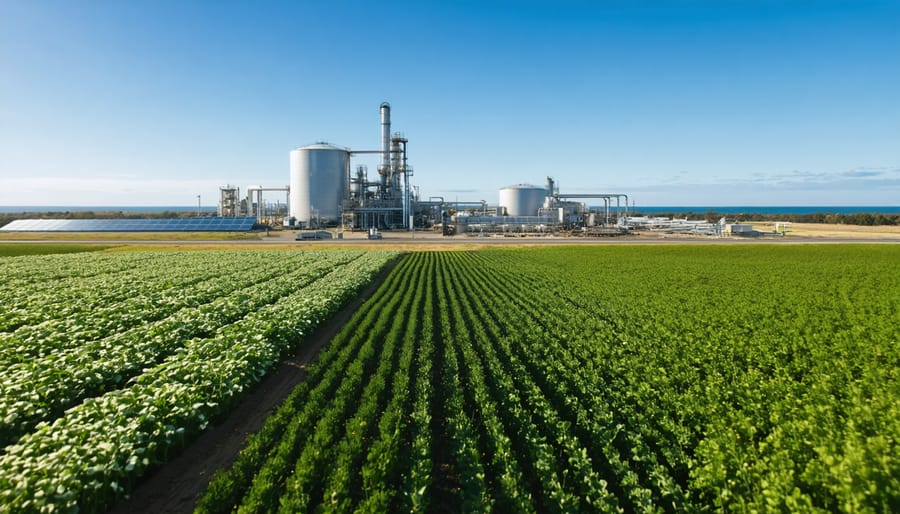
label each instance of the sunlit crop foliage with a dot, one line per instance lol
(652, 379)
(113, 361)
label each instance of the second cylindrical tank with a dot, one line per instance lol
(319, 176)
(522, 199)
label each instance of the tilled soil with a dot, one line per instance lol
(176, 486)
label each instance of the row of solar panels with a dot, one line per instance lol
(241, 224)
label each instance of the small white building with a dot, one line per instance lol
(739, 228)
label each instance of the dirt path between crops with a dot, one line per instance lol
(176, 486)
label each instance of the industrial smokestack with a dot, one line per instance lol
(386, 135)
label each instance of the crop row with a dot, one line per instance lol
(734, 383)
(118, 307)
(39, 317)
(57, 286)
(602, 379)
(39, 388)
(343, 429)
(92, 454)
(342, 443)
(28, 270)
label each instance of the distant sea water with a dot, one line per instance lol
(655, 209)
(15, 209)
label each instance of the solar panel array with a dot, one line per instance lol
(241, 224)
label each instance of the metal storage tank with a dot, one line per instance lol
(522, 199)
(319, 175)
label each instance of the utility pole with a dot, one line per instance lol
(198, 206)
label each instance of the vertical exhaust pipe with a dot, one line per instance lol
(386, 135)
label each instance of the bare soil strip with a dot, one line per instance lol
(176, 486)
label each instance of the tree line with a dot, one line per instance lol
(831, 218)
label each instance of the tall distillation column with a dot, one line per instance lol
(385, 168)
(399, 165)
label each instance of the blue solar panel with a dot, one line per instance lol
(242, 224)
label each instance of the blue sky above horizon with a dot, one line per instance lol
(683, 102)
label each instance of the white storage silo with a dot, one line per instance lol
(522, 199)
(319, 175)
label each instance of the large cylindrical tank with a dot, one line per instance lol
(522, 199)
(318, 183)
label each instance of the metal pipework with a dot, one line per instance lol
(257, 191)
(607, 201)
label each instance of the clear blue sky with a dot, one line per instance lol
(724, 102)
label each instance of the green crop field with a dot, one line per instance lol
(19, 249)
(554, 379)
(598, 379)
(113, 361)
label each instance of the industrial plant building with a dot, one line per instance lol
(325, 191)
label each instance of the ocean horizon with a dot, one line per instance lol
(642, 209)
(18, 209)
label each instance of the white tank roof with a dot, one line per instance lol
(523, 186)
(322, 146)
